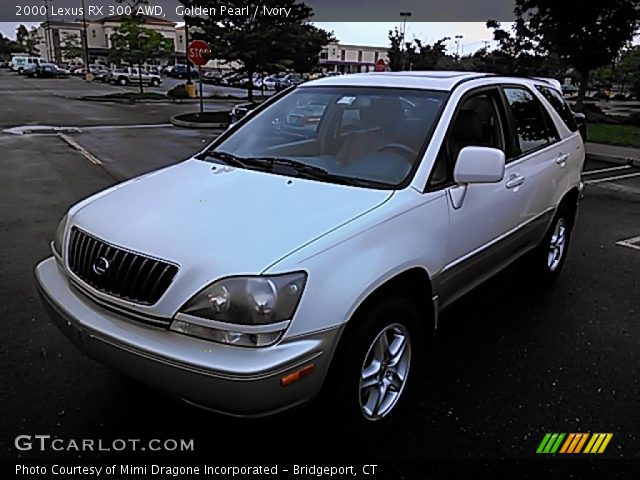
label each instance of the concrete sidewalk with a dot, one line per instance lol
(613, 154)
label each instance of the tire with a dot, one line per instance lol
(123, 81)
(548, 258)
(369, 383)
(155, 83)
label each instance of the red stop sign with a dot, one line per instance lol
(198, 52)
(380, 65)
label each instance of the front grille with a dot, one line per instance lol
(118, 272)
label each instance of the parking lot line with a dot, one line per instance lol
(88, 155)
(633, 242)
(610, 179)
(602, 170)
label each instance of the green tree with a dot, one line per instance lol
(27, 39)
(517, 54)
(8, 46)
(417, 55)
(22, 34)
(396, 52)
(135, 44)
(584, 35)
(71, 46)
(260, 43)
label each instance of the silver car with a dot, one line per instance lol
(300, 253)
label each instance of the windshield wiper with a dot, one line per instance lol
(319, 173)
(226, 158)
(299, 167)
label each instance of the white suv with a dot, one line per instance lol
(315, 241)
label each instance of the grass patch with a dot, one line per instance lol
(622, 135)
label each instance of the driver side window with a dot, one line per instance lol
(477, 123)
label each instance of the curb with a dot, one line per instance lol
(183, 124)
(617, 160)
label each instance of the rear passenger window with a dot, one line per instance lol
(533, 127)
(559, 104)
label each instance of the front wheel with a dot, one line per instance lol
(123, 81)
(376, 364)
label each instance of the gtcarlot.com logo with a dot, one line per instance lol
(574, 443)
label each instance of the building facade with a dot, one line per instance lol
(61, 42)
(337, 57)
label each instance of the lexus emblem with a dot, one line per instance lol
(101, 265)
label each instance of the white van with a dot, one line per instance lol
(18, 62)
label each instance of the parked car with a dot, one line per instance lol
(212, 76)
(569, 90)
(181, 71)
(288, 81)
(272, 267)
(100, 73)
(270, 82)
(126, 76)
(45, 70)
(241, 109)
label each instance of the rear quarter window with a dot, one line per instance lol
(560, 105)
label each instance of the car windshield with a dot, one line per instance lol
(355, 135)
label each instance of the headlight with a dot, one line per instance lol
(246, 311)
(59, 236)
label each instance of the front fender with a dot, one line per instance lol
(349, 264)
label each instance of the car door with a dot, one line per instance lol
(483, 217)
(538, 160)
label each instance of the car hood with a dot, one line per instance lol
(215, 222)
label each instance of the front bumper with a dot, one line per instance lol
(233, 380)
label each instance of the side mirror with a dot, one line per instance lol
(479, 165)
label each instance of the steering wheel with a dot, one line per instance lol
(401, 147)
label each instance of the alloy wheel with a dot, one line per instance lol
(384, 372)
(557, 245)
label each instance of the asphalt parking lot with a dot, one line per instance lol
(510, 362)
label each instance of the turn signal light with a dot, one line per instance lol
(297, 375)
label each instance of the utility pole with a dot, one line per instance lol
(186, 43)
(85, 43)
(47, 33)
(404, 16)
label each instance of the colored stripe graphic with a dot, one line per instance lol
(574, 443)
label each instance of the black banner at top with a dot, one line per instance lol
(324, 10)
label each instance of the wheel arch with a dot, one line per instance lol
(570, 199)
(413, 283)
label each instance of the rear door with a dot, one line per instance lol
(537, 160)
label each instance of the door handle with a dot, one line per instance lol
(514, 181)
(562, 159)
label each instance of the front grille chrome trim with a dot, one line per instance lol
(130, 272)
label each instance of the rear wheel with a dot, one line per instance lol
(549, 257)
(123, 81)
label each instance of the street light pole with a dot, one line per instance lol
(458, 39)
(404, 16)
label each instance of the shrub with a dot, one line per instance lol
(178, 92)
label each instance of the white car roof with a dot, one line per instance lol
(429, 80)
